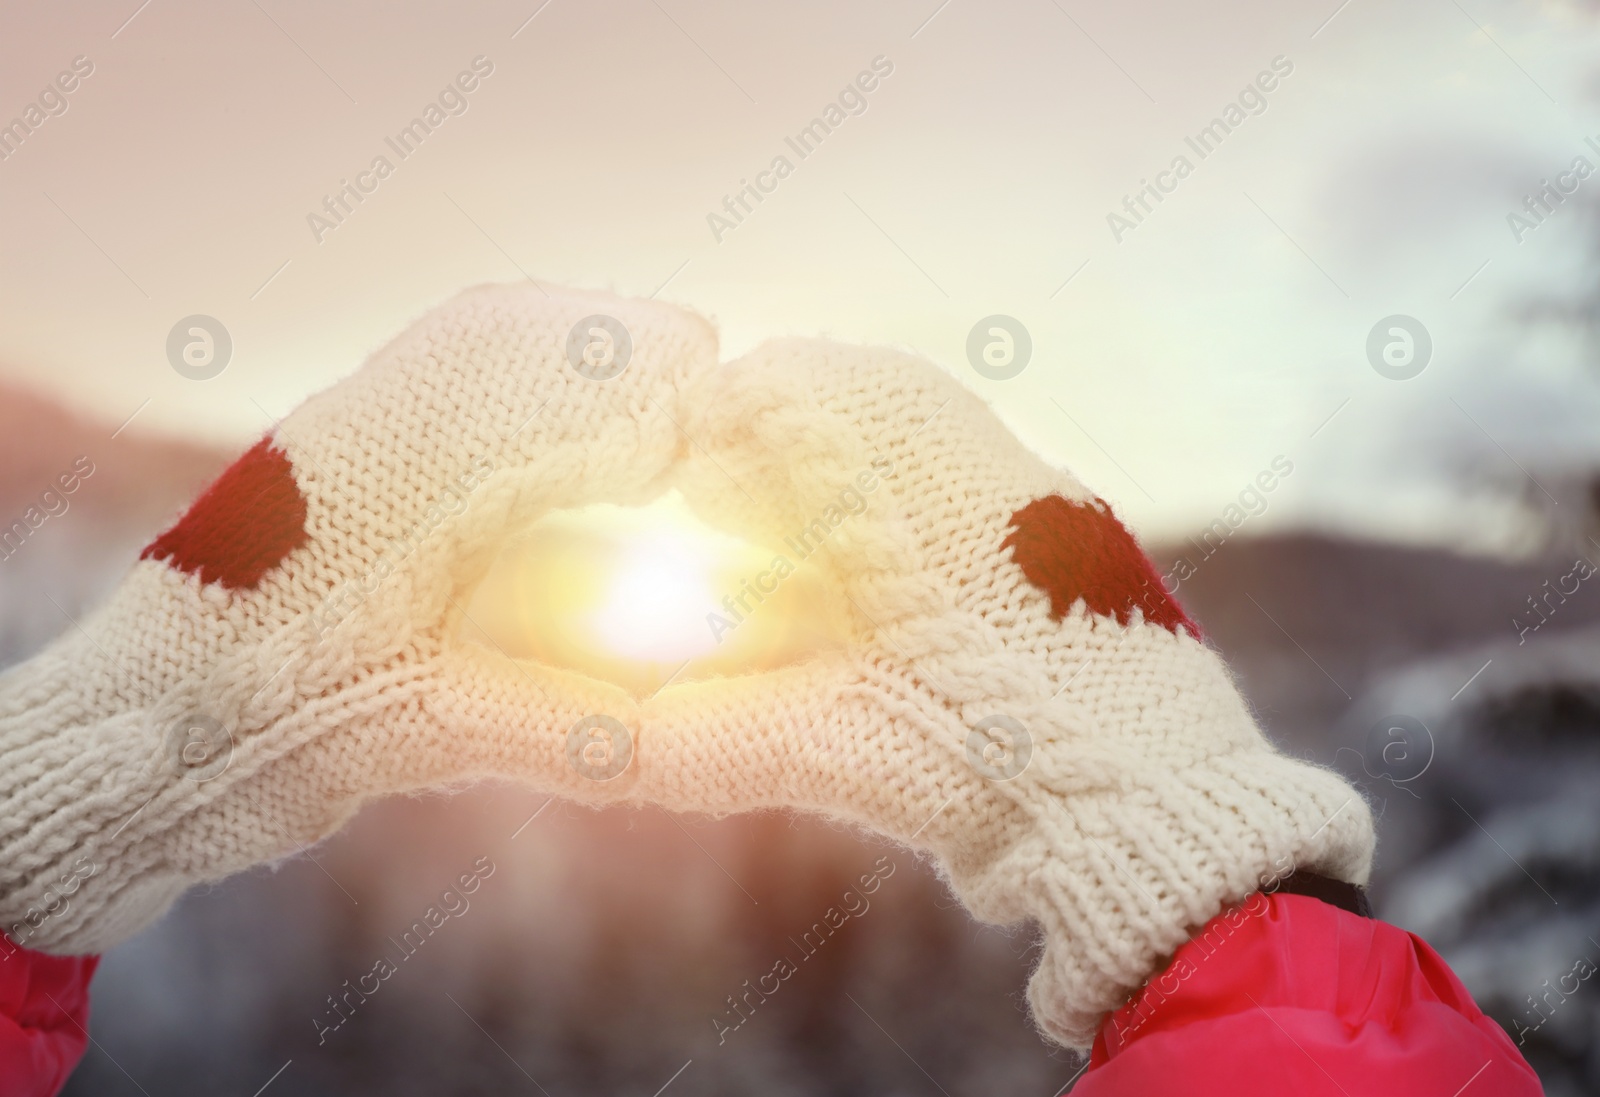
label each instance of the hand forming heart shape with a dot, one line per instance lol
(1019, 695)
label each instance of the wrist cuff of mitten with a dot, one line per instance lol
(77, 880)
(1119, 880)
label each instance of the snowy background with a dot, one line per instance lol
(1391, 576)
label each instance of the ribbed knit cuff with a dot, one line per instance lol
(1119, 880)
(71, 780)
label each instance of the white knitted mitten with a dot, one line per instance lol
(1020, 696)
(290, 648)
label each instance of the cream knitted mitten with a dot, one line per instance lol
(1019, 697)
(290, 648)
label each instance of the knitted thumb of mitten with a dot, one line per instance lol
(1018, 694)
(291, 647)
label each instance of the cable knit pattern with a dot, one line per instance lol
(1149, 800)
(337, 675)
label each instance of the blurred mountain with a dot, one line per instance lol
(137, 478)
(1305, 620)
(70, 547)
(1462, 695)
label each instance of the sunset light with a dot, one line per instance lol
(635, 596)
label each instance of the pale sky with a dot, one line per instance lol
(1171, 369)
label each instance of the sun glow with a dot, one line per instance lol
(632, 595)
(658, 598)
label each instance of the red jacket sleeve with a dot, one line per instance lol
(1286, 994)
(44, 1016)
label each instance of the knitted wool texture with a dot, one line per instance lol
(1149, 800)
(971, 581)
(337, 674)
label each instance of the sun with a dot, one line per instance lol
(639, 596)
(659, 592)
